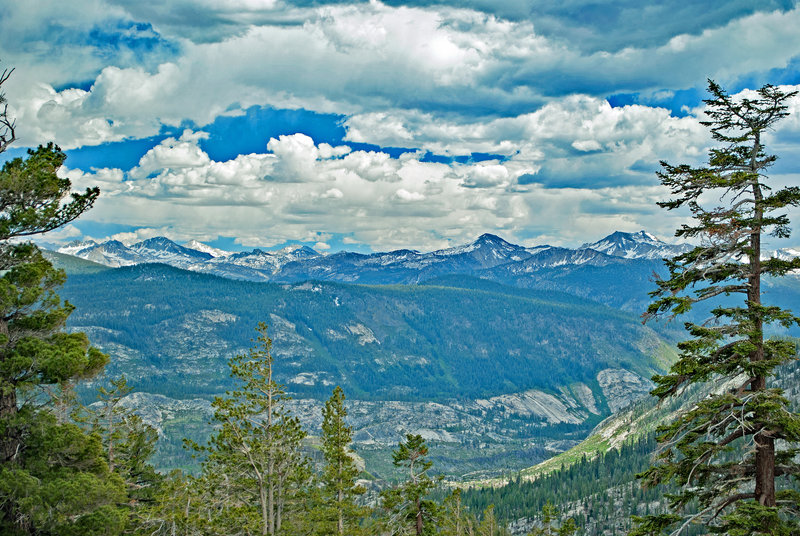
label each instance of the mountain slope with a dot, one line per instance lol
(412, 342)
(641, 245)
(595, 480)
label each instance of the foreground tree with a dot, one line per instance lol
(7, 124)
(129, 444)
(53, 476)
(255, 470)
(339, 488)
(725, 453)
(455, 519)
(410, 511)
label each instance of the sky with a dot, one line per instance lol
(371, 126)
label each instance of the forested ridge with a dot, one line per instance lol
(423, 342)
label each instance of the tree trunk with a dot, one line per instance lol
(419, 518)
(271, 502)
(765, 446)
(10, 442)
(262, 495)
(271, 460)
(279, 508)
(340, 499)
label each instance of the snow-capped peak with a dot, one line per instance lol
(641, 245)
(205, 248)
(75, 246)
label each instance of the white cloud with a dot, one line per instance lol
(143, 233)
(333, 193)
(371, 59)
(574, 140)
(486, 175)
(405, 195)
(440, 79)
(303, 190)
(63, 234)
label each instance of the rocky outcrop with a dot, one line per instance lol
(536, 403)
(622, 388)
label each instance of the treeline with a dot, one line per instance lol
(256, 475)
(583, 488)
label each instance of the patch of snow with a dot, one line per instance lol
(205, 248)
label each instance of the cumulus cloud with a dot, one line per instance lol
(518, 81)
(578, 140)
(404, 195)
(262, 201)
(424, 205)
(580, 169)
(63, 234)
(370, 59)
(144, 233)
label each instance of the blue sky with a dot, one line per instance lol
(372, 126)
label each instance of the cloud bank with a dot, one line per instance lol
(456, 118)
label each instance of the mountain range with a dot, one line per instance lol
(403, 266)
(616, 271)
(518, 350)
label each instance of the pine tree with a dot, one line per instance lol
(7, 124)
(255, 468)
(410, 511)
(339, 488)
(489, 525)
(177, 508)
(455, 520)
(552, 524)
(725, 453)
(53, 476)
(111, 414)
(129, 444)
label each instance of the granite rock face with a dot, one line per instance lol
(622, 387)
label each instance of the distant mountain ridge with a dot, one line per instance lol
(404, 266)
(641, 245)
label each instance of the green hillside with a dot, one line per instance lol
(595, 481)
(172, 330)
(74, 265)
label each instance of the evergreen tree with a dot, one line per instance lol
(129, 444)
(489, 525)
(7, 124)
(176, 508)
(111, 414)
(255, 469)
(455, 520)
(53, 476)
(552, 525)
(410, 511)
(339, 488)
(727, 451)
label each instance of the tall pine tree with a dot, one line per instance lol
(255, 467)
(410, 510)
(339, 487)
(53, 476)
(725, 454)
